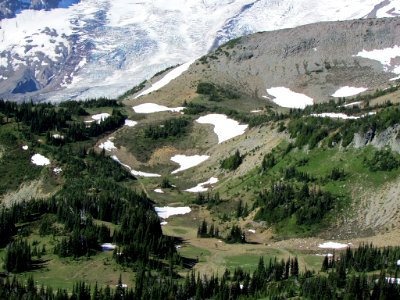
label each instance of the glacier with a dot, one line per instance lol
(102, 48)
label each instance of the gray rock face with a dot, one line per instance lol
(390, 137)
(313, 59)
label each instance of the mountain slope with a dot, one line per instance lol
(102, 48)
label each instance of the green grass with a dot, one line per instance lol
(193, 252)
(249, 262)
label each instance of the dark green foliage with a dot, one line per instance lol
(204, 231)
(337, 174)
(233, 162)
(268, 162)
(18, 257)
(235, 235)
(165, 184)
(209, 199)
(383, 160)
(169, 128)
(283, 200)
(206, 88)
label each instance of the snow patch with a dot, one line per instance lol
(167, 211)
(160, 191)
(201, 186)
(348, 91)
(25, 147)
(130, 123)
(251, 230)
(335, 116)
(57, 170)
(167, 78)
(224, 127)
(357, 103)
(100, 117)
(163, 223)
(287, 98)
(40, 160)
(187, 162)
(134, 172)
(384, 56)
(148, 108)
(108, 246)
(333, 245)
(108, 146)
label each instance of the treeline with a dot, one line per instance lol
(235, 234)
(274, 279)
(92, 190)
(45, 118)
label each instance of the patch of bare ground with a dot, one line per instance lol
(392, 97)
(29, 190)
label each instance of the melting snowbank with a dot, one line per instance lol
(342, 116)
(130, 123)
(167, 211)
(100, 117)
(40, 160)
(187, 162)
(348, 91)
(333, 245)
(201, 186)
(148, 108)
(25, 147)
(108, 146)
(134, 172)
(160, 191)
(224, 127)
(167, 78)
(287, 98)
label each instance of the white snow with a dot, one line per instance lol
(25, 147)
(348, 91)
(100, 117)
(342, 115)
(130, 123)
(256, 111)
(58, 136)
(134, 172)
(144, 174)
(187, 162)
(251, 230)
(166, 79)
(335, 116)
(384, 56)
(357, 103)
(333, 245)
(148, 108)
(328, 254)
(163, 223)
(167, 211)
(108, 246)
(287, 98)
(160, 191)
(393, 280)
(57, 170)
(108, 146)
(201, 186)
(394, 78)
(161, 34)
(40, 160)
(224, 127)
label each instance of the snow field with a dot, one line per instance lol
(333, 245)
(134, 172)
(167, 78)
(40, 160)
(149, 108)
(201, 186)
(224, 127)
(130, 123)
(187, 162)
(160, 191)
(287, 98)
(100, 117)
(348, 91)
(108, 146)
(167, 211)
